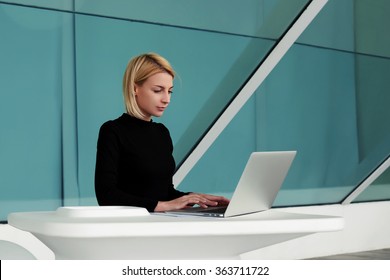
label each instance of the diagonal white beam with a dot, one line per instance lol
(250, 87)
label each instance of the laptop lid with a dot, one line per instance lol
(260, 182)
(257, 188)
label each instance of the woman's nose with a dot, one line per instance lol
(167, 97)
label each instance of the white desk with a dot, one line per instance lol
(157, 236)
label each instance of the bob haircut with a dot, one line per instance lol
(138, 70)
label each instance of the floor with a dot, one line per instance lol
(383, 254)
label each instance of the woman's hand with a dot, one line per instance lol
(213, 200)
(189, 200)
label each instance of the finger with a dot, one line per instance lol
(204, 199)
(218, 198)
(199, 199)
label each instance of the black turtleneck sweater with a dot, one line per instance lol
(134, 163)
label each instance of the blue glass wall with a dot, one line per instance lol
(61, 68)
(61, 65)
(328, 99)
(30, 109)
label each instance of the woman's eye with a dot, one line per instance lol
(161, 90)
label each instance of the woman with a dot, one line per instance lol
(134, 162)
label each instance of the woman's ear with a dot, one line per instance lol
(135, 89)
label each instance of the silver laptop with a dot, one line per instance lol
(257, 188)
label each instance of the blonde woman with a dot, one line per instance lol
(134, 162)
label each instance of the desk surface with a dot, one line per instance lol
(272, 221)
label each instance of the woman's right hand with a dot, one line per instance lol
(189, 200)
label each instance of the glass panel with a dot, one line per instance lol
(329, 163)
(379, 189)
(332, 107)
(219, 170)
(325, 160)
(65, 5)
(366, 35)
(250, 17)
(30, 109)
(71, 56)
(373, 87)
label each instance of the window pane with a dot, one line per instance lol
(30, 109)
(331, 106)
(250, 17)
(379, 189)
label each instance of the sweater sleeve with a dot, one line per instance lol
(173, 192)
(106, 174)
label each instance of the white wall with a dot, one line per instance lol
(367, 227)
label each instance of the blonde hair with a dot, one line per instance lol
(138, 70)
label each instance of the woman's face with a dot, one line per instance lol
(154, 95)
